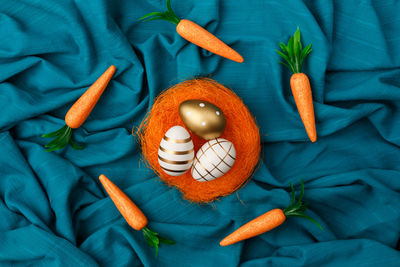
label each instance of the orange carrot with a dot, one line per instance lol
(203, 38)
(132, 214)
(258, 226)
(301, 90)
(79, 112)
(195, 34)
(269, 220)
(294, 56)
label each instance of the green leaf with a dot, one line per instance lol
(154, 239)
(307, 49)
(60, 145)
(307, 218)
(305, 52)
(297, 34)
(75, 145)
(169, 7)
(55, 141)
(286, 65)
(52, 134)
(62, 139)
(302, 191)
(172, 18)
(295, 52)
(155, 18)
(297, 205)
(298, 52)
(285, 57)
(298, 209)
(297, 43)
(303, 208)
(150, 239)
(168, 15)
(295, 47)
(158, 242)
(284, 48)
(55, 133)
(151, 231)
(290, 47)
(300, 46)
(166, 241)
(293, 195)
(56, 147)
(151, 14)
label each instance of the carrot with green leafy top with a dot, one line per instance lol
(294, 55)
(132, 214)
(78, 113)
(195, 34)
(270, 220)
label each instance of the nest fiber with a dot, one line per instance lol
(241, 130)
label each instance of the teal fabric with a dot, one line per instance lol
(54, 212)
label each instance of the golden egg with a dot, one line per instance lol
(202, 118)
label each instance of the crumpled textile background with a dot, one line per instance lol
(54, 212)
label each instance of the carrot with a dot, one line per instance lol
(203, 38)
(294, 55)
(195, 34)
(270, 220)
(258, 226)
(79, 112)
(132, 214)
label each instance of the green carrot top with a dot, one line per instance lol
(298, 208)
(293, 53)
(168, 15)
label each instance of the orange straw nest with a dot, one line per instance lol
(241, 130)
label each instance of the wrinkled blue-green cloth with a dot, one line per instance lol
(54, 212)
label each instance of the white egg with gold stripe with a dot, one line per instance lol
(214, 159)
(176, 151)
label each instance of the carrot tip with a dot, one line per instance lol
(237, 58)
(223, 244)
(227, 241)
(240, 60)
(102, 178)
(313, 138)
(112, 69)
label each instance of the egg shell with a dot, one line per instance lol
(214, 159)
(202, 118)
(176, 151)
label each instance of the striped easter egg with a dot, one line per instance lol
(176, 151)
(214, 159)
